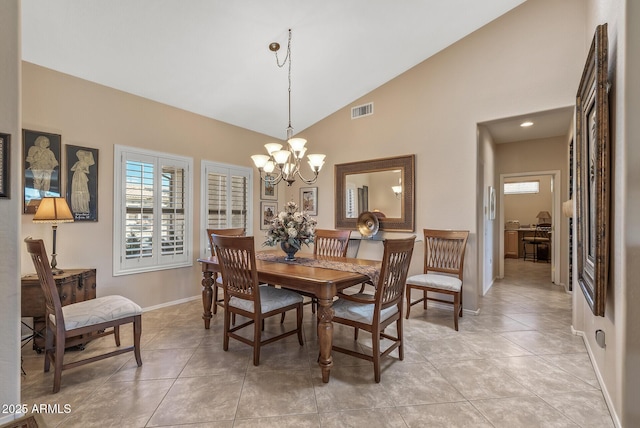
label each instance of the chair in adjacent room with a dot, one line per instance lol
(374, 313)
(443, 270)
(70, 325)
(236, 231)
(244, 296)
(537, 247)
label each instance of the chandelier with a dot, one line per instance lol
(284, 163)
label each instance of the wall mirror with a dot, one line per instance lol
(384, 186)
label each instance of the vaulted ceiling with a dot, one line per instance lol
(211, 57)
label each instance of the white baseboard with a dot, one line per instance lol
(172, 303)
(603, 387)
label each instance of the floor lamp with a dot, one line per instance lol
(53, 210)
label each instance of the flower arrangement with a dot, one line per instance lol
(292, 227)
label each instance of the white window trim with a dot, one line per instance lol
(119, 178)
(207, 167)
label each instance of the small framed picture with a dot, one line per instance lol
(41, 167)
(309, 200)
(268, 211)
(4, 165)
(82, 182)
(492, 203)
(268, 190)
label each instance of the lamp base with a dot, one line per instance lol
(54, 265)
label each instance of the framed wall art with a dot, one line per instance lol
(5, 140)
(309, 200)
(268, 210)
(492, 203)
(268, 190)
(82, 182)
(41, 167)
(592, 174)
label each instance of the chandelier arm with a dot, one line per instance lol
(311, 181)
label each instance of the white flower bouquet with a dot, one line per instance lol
(292, 227)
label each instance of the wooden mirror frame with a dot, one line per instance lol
(406, 164)
(592, 174)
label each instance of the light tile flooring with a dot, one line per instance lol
(515, 365)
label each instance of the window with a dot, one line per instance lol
(152, 211)
(227, 192)
(521, 187)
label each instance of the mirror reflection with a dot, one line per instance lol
(385, 186)
(379, 192)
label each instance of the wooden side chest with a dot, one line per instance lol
(74, 285)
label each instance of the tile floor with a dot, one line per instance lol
(514, 365)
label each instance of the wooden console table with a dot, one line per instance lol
(74, 285)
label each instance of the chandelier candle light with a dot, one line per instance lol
(286, 162)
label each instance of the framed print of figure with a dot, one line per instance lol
(82, 182)
(41, 167)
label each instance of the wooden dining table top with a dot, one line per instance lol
(300, 277)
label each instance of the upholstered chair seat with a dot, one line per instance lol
(97, 311)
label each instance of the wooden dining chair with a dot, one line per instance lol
(443, 270)
(373, 313)
(244, 296)
(328, 242)
(70, 325)
(217, 280)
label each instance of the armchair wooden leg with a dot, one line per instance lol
(137, 332)
(57, 362)
(299, 323)
(456, 309)
(256, 341)
(375, 344)
(408, 291)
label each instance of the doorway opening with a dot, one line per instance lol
(554, 178)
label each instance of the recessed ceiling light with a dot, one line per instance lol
(526, 124)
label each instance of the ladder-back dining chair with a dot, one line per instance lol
(70, 325)
(244, 296)
(373, 313)
(217, 280)
(443, 270)
(332, 243)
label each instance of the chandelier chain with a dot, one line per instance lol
(287, 59)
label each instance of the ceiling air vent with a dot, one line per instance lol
(362, 111)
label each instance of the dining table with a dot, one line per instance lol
(321, 276)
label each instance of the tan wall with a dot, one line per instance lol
(91, 115)
(433, 110)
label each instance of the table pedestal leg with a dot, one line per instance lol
(207, 296)
(325, 336)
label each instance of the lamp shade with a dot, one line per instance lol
(53, 210)
(544, 217)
